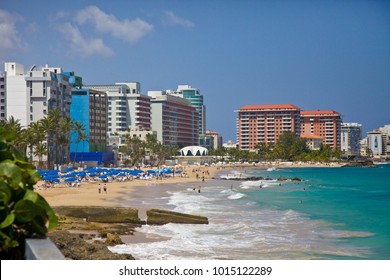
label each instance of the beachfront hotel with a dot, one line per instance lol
(265, 123)
(29, 96)
(127, 107)
(212, 140)
(351, 135)
(323, 123)
(174, 119)
(89, 107)
(196, 99)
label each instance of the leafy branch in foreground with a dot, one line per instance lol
(23, 212)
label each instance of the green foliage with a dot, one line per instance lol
(23, 212)
(289, 147)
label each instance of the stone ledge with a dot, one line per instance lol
(42, 249)
(162, 217)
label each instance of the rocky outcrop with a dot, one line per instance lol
(359, 163)
(113, 239)
(101, 214)
(74, 247)
(83, 233)
(162, 217)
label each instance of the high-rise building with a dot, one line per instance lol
(16, 98)
(376, 143)
(196, 99)
(174, 119)
(29, 97)
(127, 107)
(351, 134)
(89, 107)
(212, 140)
(48, 88)
(265, 123)
(323, 123)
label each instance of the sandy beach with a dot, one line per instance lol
(87, 194)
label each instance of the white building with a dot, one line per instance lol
(378, 142)
(29, 96)
(127, 107)
(16, 99)
(375, 143)
(313, 142)
(229, 145)
(386, 138)
(351, 134)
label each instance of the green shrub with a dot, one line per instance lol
(23, 212)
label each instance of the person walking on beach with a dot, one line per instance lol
(99, 188)
(105, 188)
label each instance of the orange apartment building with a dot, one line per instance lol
(265, 123)
(323, 123)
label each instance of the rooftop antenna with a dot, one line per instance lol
(33, 67)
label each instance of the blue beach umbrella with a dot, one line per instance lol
(81, 174)
(70, 180)
(69, 175)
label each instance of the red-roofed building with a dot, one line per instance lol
(323, 123)
(265, 123)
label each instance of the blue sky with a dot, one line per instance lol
(313, 54)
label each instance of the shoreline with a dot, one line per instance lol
(141, 194)
(87, 193)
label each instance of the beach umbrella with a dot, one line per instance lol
(69, 169)
(81, 174)
(55, 180)
(69, 175)
(70, 180)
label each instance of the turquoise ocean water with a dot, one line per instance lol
(334, 213)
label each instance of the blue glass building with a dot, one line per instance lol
(89, 108)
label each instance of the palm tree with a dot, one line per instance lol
(40, 151)
(79, 129)
(34, 135)
(48, 130)
(62, 138)
(13, 125)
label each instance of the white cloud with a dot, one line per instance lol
(171, 19)
(9, 36)
(127, 30)
(82, 46)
